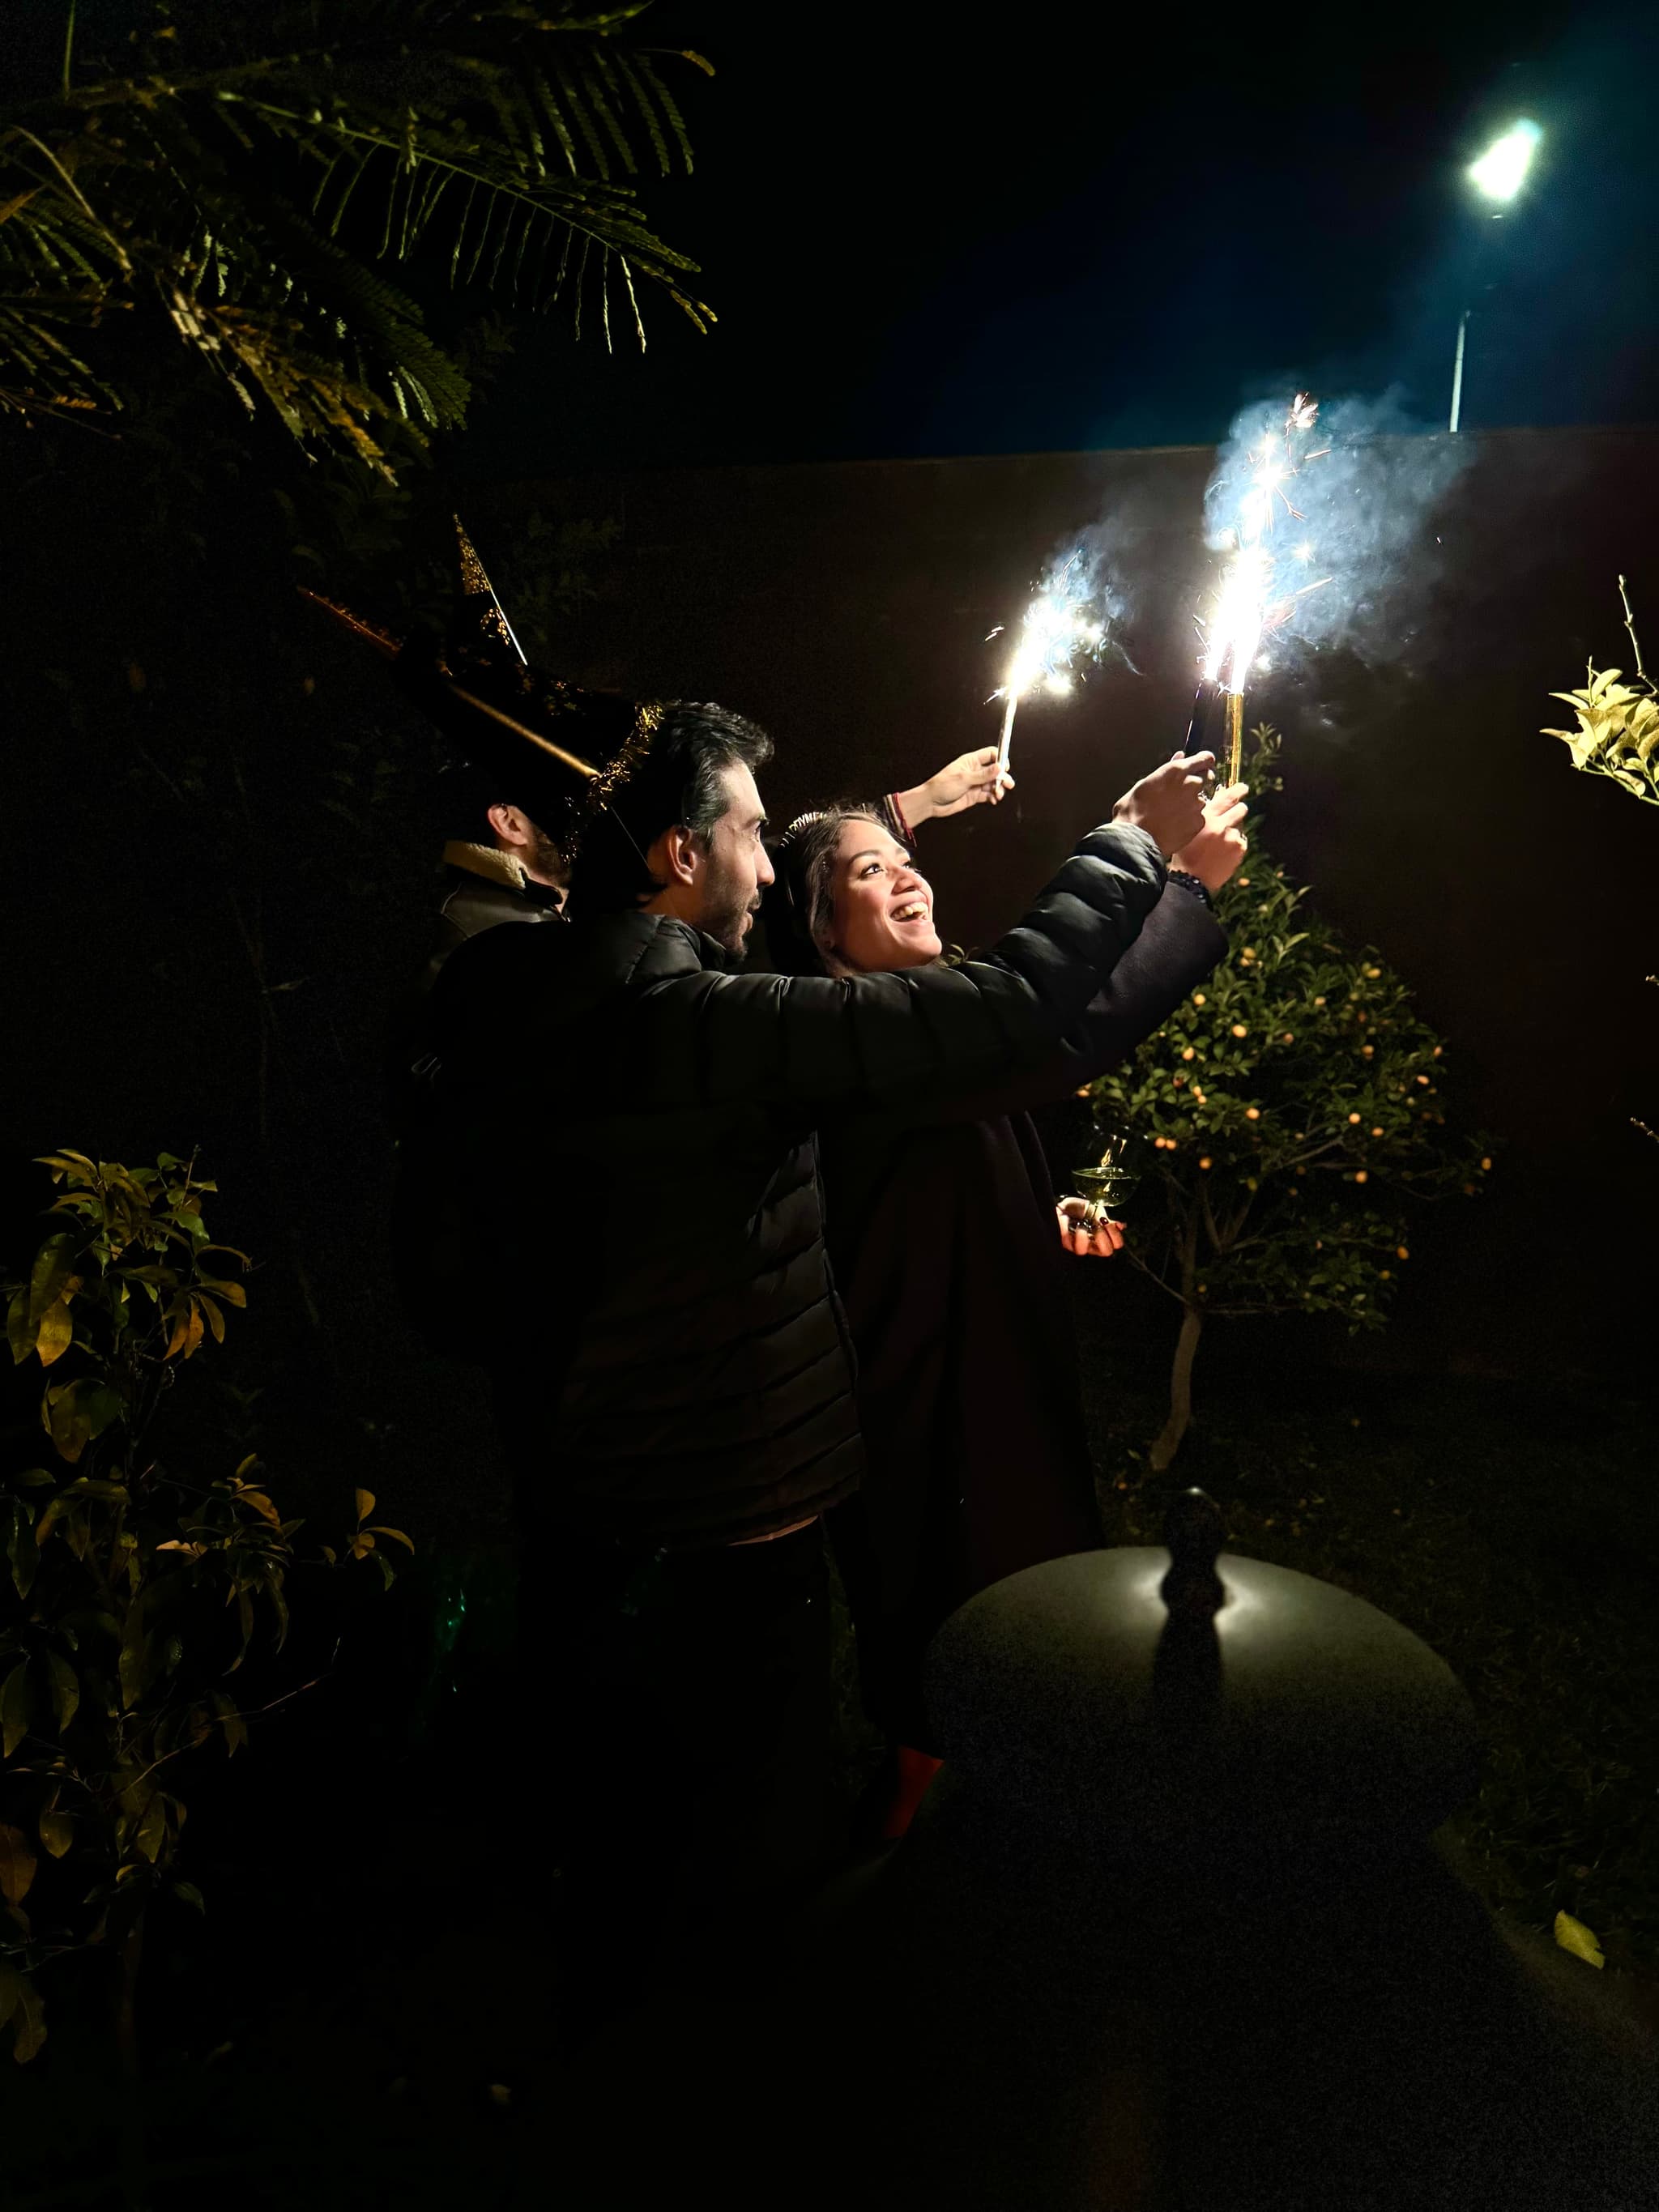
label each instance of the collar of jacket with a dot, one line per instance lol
(488, 861)
(492, 865)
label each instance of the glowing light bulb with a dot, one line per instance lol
(1502, 169)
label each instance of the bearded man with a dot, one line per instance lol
(672, 1369)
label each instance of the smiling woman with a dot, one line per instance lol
(940, 1223)
(863, 905)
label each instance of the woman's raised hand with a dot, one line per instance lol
(971, 780)
(1095, 1239)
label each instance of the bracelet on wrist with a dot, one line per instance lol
(1188, 882)
(907, 835)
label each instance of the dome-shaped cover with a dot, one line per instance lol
(1188, 1702)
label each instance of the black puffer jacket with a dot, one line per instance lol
(631, 1183)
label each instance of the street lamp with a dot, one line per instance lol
(1499, 175)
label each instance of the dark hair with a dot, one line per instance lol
(679, 782)
(801, 902)
(466, 794)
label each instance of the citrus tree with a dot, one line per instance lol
(1284, 1123)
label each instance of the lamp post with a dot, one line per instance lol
(1499, 175)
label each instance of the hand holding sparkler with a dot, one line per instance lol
(1169, 804)
(1215, 855)
(1057, 626)
(975, 779)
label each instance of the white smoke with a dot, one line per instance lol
(1359, 510)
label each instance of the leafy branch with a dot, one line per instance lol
(1618, 732)
(245, 180)
(131, 1591)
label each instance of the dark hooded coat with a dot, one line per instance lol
(632, 1204)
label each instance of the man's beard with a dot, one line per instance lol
(727, 910)
(548, 861)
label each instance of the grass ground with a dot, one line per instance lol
(1515, 1529)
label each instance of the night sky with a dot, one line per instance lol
(937, 232)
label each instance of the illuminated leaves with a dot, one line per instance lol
(1572, 1936)
(1618, 732)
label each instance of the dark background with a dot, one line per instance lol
(1084, 238)
(932, 231)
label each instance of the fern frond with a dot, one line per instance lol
(255, 160)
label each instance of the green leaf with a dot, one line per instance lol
(187, 1893)
(57, 1830)
(65, 1690)
(20, 2007)
(1572, 1936)
(74, 1414)
(56, 1333)
(16, 1708)
(231, 1721)
(364, 1506)
(20, 1329)
(17, 1864)
(22, 1553)
(137, 1667)
(74, 1164)
(54, 1263)
(152, 1830)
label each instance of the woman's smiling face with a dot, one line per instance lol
(883, 915)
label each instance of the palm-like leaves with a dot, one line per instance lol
(245, 177)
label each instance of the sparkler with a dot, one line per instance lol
(1057, 626)
(1252, 599)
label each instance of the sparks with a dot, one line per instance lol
(1057, 627)
(1250, 600)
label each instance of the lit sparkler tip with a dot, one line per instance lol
(1058, 625)
(1304, 553)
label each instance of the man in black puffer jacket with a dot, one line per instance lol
(672, 1371)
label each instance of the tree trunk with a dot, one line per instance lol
(1181, 1390)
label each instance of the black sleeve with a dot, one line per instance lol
(1180, 945)
(926, 1032)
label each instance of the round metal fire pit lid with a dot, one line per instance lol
(1193, 1700)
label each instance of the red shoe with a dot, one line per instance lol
(916, 1771)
